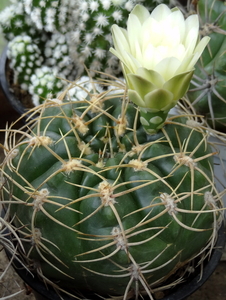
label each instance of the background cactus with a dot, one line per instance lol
(105, 207)
(207, 91)
(25, 57)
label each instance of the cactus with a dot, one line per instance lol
(14, 21)
(25, 57)
(207, 91)
(52, 15)
(103, 206)
(105, 202)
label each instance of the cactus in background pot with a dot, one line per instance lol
(207, 91)
(36, 30)
(103, 204)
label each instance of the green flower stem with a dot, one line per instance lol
(152, 121)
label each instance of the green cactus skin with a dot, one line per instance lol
(207, 91)
(103, 207)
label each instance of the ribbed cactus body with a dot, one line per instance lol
(100, 205)
(207, 91)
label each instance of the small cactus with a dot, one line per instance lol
(25, 57)
(52, 15)
(15, 22)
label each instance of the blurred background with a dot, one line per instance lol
(3, 3)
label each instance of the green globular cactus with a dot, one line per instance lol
(207, 91)
(25, 57)
(103, 207)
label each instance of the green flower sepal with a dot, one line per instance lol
(154, 97)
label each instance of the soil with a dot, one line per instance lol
(213, 289)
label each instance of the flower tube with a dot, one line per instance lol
(158, 52)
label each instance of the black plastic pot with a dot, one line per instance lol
(180, 292)
(7, 90)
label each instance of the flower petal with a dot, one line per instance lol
(141, 12)
(127, 59)
(160, 12)
(120, 38)
(168, 67)
(134, 29)
(151, 33)
(151, 76)
(189, 61)
(192, 22)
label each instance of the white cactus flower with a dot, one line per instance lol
(158, 52)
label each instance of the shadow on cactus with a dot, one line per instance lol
(207, 91)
